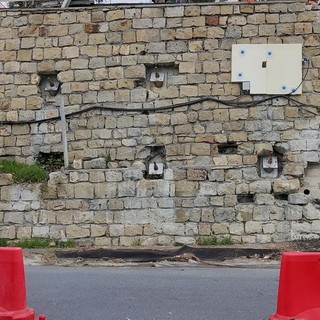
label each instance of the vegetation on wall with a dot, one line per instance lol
(22, 172)
(37, 243)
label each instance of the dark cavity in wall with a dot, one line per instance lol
(52, 161)
(155, 162)
(228, 148)
(247, 198)
(281, 196)
(49, 84)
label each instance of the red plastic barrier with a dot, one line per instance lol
(12, 287)
(299, 287)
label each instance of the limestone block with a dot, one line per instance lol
(260, 187)
(224, 214)
(244, 212)
(286, 186)
(40, 232)
(99, 163)
(263, 149)
(315, 226)
(5, 180)
(226, 188)
(207, 215)
(300, 227)
(220, 228)
(207, 188)
(298, 198)
(115, 15)
(311, 212)
(191, 229)
(293, 169)
(47, 217)
(262, 198)
(185, 188)
(139, 95)
(74, 231)
(138, 71)
(24, 232)
(125, 153)
(8, 232)
(216, 175)
(250, 31)
(253, 227)
(161, 188)
(293, 212)
(233, 174)
(165, 240)
(236, 228)
(84, 190)
(204, 229)
(184, 240)
(175, 11)
(133, 230)
(132, 203)
(230, 201)
(102, 241)
(116, 230)
(197, 175)
(97, 231)
(126, 189)
(201, 149)
(13, 217)
(178, 46)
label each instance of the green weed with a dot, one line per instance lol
(3, 242)
(136, 242)
(34, 243)
(23, 172)
(66, 244)
(214, 241)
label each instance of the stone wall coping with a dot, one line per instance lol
(145, 5)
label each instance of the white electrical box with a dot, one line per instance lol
(270, 68)
(269, 167)
(155, 168)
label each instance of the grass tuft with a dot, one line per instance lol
(38, 243)
(24, 172)
(214, 241)
(3, 242)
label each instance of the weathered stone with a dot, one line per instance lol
(99, 163)
(75, 231)
(286, 186)
(298, 198)
(263, 149)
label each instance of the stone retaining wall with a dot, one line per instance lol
(212, 153)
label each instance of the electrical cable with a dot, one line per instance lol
(228, 103)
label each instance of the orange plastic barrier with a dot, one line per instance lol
(12, 287)
(299, 287)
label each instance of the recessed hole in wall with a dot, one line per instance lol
(270, 166)
(248, 198)
(281, 196)
(52, 161)
(228, 148)
(49, 84)
(160, 76)
(155, 162)
(306, 191)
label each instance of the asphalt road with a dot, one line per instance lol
(152, 293)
